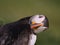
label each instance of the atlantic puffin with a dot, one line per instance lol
(23, 31)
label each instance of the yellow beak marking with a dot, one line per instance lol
(33, 22)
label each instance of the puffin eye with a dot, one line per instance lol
(40, 16)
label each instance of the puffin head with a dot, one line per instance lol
(39, 23)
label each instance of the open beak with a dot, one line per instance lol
(36, 25)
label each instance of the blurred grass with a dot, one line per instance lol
(12, 10)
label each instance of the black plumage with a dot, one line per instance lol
(15, 33)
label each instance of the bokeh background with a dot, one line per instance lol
(13, 10)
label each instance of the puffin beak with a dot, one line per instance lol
(46, 22)
(36, 25)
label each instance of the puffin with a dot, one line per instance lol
(23, 31)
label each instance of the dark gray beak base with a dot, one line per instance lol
(46, 22)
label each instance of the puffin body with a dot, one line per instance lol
(23, 31)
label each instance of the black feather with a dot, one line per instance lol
(15, 33)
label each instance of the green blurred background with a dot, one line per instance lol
(13, 10)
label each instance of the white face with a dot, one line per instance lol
(37, 18)
(37, 21)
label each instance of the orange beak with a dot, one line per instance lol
(34, 25)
